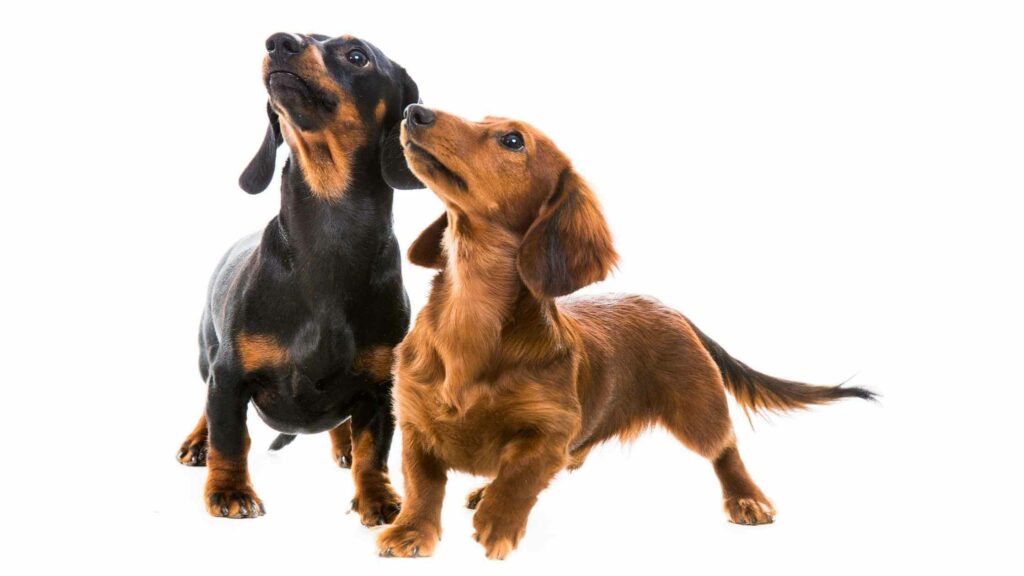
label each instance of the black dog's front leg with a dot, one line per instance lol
(373, 426)
(229, 492)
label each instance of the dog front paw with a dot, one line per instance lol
(240, 503)
(499, 534)
(749, 511)
(405, 541)
(378, 506)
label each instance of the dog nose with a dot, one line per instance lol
(420, 115)
(283, 45)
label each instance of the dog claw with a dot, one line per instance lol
(235, 504)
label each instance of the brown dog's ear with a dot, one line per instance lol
(569, 245)
(427, 250)
(260, 171)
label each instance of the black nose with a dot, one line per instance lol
(284, 45)
(420, 115)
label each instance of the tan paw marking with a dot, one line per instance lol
(749, 512)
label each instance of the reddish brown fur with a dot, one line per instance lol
(499, 379)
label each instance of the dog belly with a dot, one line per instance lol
(286, 417)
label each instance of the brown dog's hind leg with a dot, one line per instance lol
(341, 445)
(744, 501)
(194, 449)
(698, 415)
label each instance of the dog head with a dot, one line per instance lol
(338, 103)
(507, 173)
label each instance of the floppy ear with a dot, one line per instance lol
(568, 246)
(260, 171)
(427, 250)
(392, 158)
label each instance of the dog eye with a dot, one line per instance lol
(357, 57)
(512, 141)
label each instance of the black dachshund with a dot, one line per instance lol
(301, 318)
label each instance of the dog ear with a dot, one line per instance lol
(392, 158)
(427, 250)
(260, 171)
(569, 245)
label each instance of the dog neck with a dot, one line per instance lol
(479, 300)
(327, 158)
(322, 238)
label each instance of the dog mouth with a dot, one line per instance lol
(286, 79)
(434, 165)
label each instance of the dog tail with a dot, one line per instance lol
(281, 441)
(759, 392)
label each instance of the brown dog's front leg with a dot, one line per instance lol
(527, 466)
(418, 527)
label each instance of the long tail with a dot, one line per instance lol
(281, 441)
(759, 392)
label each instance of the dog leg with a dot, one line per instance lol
(373, 426)
(418, 526)
(698, 415)
(527, 466)
(229, 492)
(341, 444)
(194, 449)
(744, 501)
(707, 430)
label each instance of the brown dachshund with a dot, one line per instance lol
(500, 379)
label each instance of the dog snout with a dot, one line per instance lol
(283, 45)
(418, 115)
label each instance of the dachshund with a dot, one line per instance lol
(303, 317)
(501, 378)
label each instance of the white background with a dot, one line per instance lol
(825, 189)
